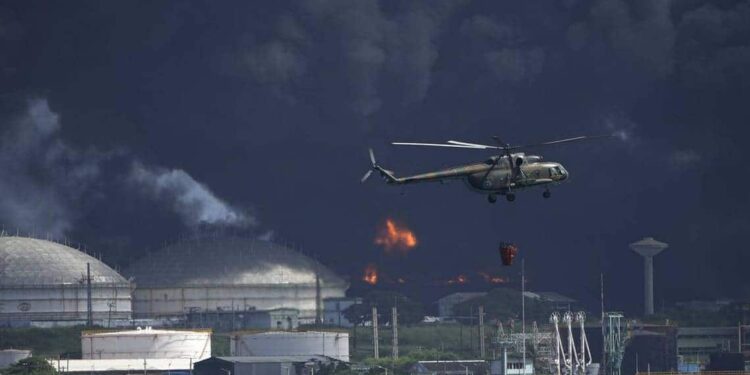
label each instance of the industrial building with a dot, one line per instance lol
(160, 366)
(333, 311)
(329, 344)
(275, 365)
(695, 345)
(45, 283)
(477, 367)
(275, 319)
(231, 274)
(146, 344)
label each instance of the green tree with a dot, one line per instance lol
(30, 366)
(505, 303)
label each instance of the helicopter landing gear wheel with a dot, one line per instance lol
(492, 198)
(547, 194)
(510, 197)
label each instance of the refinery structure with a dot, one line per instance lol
(270, 304)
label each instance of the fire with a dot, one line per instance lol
(370, 275)
(492, 279)
(460, 280)
(394, 237)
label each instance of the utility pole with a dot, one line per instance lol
(394, 323)
(481, 332)
(318, 315)
(375, 352)
(604, 332)
(523, 311)
(89, 309)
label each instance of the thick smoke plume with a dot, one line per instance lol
(46, 180)
(192, 200)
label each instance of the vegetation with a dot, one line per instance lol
(30, 366)
(729, 315)
(504, 304)
(409, 311)
(57, 342)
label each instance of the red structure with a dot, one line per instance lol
(508, 252)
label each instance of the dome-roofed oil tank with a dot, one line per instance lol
(229, 274)
(44, 281)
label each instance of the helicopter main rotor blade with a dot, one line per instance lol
(475, 147)
(566, 140)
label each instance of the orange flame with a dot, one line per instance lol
(394, 237)
(370, 275)
(492, 279)
(460, 279)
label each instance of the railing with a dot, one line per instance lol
(694, 373)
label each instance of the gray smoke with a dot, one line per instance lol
(191, 200)
(46, 180)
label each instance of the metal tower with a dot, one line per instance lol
(614, 343)
(648, 248)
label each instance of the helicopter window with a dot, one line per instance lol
(553, 172)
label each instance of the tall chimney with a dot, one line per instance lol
(648, 248)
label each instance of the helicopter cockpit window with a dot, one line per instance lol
(553, 172)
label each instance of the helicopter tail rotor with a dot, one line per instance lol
(372, 168)
(386, 174)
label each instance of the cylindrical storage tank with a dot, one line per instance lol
(146, 343)
(230, 274)
(330, 344)
(9, 357)
(44, 281)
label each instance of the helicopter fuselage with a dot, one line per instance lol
(501, 180)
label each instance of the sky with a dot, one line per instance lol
(127, 125)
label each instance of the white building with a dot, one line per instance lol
(230, 274)
(46, 283)
(329, 344)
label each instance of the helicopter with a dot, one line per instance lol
(503, 174)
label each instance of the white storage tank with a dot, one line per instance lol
(330, 344)
(8, 357)
(46, 283)
(146, 343)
